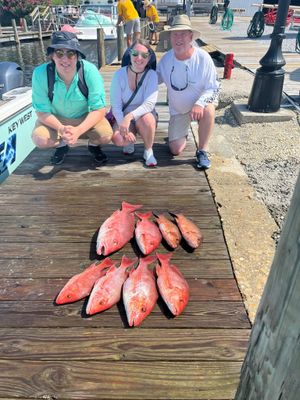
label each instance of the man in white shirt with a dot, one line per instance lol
(193, 88)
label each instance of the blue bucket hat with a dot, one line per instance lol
(64, 40)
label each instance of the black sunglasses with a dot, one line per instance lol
(186, 79)
(69, 53)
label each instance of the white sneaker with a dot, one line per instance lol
(129, 149)
(149, 158)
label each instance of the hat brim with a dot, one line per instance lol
(166, 33)
(63, 46)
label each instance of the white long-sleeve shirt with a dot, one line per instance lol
(143, 102)
(197, 76)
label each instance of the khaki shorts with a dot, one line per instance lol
(99, 131)
(179, 126)
(132, 26)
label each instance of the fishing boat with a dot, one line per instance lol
(97, 15)
(17, 119)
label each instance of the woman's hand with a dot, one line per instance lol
(130, 137)
(71, 134)
(125, 124)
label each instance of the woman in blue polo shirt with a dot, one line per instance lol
(67, 111)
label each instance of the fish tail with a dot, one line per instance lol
(147, 260)
(146, 215)
(106, 263)
(166, 257)
(130, 207)
(127, 262)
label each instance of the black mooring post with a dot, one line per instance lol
(267, 87)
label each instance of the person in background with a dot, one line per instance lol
(69, 115)
(193, 88)
(139, 115)
(130, 17)
(152, 15)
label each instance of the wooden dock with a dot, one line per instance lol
(49, 221)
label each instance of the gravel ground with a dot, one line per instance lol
(270, 152)
(270, 155)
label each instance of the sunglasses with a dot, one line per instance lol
(69, 53)
(186, 80)
(136, 53)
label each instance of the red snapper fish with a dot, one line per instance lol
(80, 285)
(169, 231)
(108, 289)
(147, 234)
(116, 230)
(189, 231)
(139, 292)
(172, 285)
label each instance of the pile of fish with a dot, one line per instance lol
(104, 282)
(138, 286)
(120, 228)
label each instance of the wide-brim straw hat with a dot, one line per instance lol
(64, 40)
(180, 22)
(147, 3)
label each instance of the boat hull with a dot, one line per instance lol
(17, 120)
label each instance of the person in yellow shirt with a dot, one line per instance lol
(130, 17)
(152, 15)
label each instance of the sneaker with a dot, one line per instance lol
(129, 149)
(203, 161)
(98, 154)
(59, 155)
(150, 161)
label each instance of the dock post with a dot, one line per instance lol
(100, 48)
(120, 41)
(40, 29)
(15, 29)
(25, 27)
(0, 30)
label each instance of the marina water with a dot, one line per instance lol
(30, 54)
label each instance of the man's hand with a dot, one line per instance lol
(196, 113)
(71, 134)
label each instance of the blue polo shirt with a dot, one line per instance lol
(68, 103)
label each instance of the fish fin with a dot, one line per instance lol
(164, 257)
(144, 215)
(130, 207)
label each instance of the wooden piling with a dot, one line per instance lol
(15, 29)
(40, 29)
(120, 41)
(100, 48)
(271, 366)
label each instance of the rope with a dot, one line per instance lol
(227, 20)
(213, 15)
(298, 42)
(257, 25)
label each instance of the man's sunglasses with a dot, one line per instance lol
(69, 53)
(136, 53)
(186, 80)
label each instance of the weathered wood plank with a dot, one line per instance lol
(200, 314)
(81, 251)
(47, 289)
(119, 380)
(119, 344)
(65, 268)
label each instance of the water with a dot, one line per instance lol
(29, 55)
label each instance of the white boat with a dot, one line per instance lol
(97, 15)
(17, 119)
